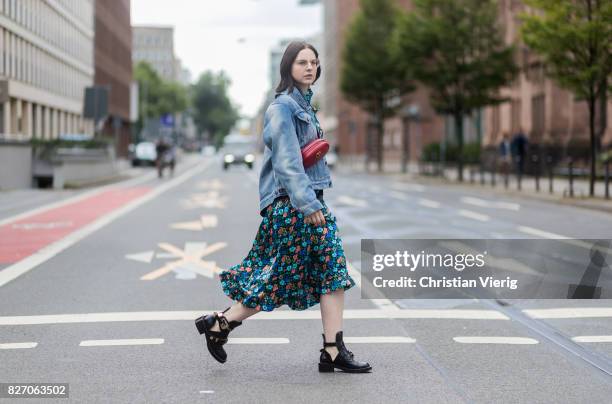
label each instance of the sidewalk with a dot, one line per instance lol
(560, 186)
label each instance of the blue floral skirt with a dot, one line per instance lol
(290, 262)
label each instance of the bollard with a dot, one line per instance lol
(608, 179)
(534, 158)
(519, 174)
(571, 178)
(506, 175)
(482, 173)
(550, 174)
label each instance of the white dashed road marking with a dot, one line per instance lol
(490, 204)
(258, 340)
(428, 203)
(116, 342)
(540, 233)
(379, 340)
(496, 340)
(593, 338)
(18, 345)
(474, 215)
(578, 312)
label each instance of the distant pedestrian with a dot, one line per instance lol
(519, 148)
(505, 153)
(297, 258)
(166, 156)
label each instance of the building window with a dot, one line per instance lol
(538, 116)
(515, 116)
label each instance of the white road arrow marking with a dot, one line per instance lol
(146, 256)
(190, 259)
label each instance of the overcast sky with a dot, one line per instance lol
(231, 35)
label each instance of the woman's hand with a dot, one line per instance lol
(315, 218)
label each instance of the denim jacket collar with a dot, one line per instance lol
(296, 94)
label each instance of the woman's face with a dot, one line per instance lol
(304, 69)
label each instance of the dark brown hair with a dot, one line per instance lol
(286, 64)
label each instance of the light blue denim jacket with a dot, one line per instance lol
(288, 127)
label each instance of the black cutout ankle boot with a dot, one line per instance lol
(343, 361)
(216, 339)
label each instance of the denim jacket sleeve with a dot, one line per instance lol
(280, 137)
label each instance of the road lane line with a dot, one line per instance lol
(540, 233)
(474, 215)
(428, 203)
(490, 204)
(578, 312)
(496, 340)
(18, 345)
(14, 271)
(117, 342)
(380, 340)
(575, 242)
(451, 314)
(593, 338)
(258, 340)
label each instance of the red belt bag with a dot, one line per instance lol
(314, 151)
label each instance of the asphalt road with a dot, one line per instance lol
(134, 263)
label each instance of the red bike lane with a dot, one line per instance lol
(25, 236)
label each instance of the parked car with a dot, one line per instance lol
(238, 149)
(144, 153)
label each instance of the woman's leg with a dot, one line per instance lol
(332, 307)
(237, 312)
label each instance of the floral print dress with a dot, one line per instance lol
(290, 262)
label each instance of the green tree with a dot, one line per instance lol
(370, 77)
(454, 48)
(157, 96)
(575, 40)
(213, 112)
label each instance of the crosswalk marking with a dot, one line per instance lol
(496, 340)
(116, 342)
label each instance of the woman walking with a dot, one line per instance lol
(297, 257)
